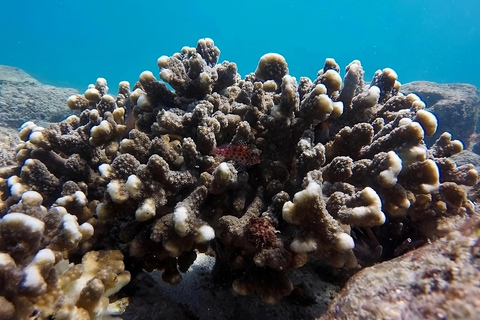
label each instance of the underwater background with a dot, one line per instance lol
(291, 188)
(71, 43)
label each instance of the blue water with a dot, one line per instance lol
(71, 43)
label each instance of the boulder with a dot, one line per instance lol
(456, 106)
(437, 281)
(23, 98)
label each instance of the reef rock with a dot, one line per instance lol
(466, 157)
(437, 281)
(456, 106)
(8, 141)
(23, 98)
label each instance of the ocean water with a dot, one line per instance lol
(71, 43)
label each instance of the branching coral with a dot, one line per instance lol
(35, 278)
(332, 161)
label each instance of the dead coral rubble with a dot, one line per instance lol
(342, 164)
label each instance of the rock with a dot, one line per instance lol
(466, 157)
(437, 281)
(8, 140)
(23, 98)
(16, 75)
(456, 106)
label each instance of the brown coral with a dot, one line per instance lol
(331, 164)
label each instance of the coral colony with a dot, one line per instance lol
(265, 173)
